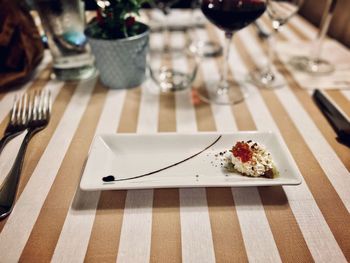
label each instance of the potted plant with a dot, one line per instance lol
(119, 43)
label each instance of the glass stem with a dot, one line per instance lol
(271, 41)
(325, 22)
(223, 81)
(166, 31)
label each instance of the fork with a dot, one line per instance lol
(18, 120)
(39, 117)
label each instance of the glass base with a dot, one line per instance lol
(315, 67)
(266, 79)
(78, 73)
(205, 49)
(170, 80)
(214, 93)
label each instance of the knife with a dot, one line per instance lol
(339, 122)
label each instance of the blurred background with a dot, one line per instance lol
(311, 10)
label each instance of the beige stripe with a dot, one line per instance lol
(166, 229)
(42, 241)
(203, 111)
(341, 101)
(227, 235)
(325, 195)
(167, 116)
(130, 113)
(38, 144)
(104, 240)
(279, 212)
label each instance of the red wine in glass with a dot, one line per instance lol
(230, 16)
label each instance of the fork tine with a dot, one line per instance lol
(30, 106)
(47, 104)
(24, 109)
(35, 105)
(50, 102)
(41, 104)
(19, 110)
(14, 109)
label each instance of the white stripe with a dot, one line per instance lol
(255, 228)
(7, 100)
(74, 238)
(135, 236)
(196, 237)
(314, 228)
(136, 229)
(256, 231)
(22, 219)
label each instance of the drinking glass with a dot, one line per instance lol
(63, 22)
(279, 12)
(230, 16)
(315, 64)
(202, 48)
(168, 76)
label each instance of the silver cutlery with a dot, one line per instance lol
(18, 120)
(38, 115)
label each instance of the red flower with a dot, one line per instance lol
(99, 16)
(130, 21)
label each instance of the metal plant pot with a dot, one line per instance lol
(121, 62)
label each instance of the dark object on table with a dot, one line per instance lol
(21, 49)
(339, 123)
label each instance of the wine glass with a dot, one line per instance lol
(315, 64)
(230, 16)
(168, 76)
(279, 12)
(202, 48)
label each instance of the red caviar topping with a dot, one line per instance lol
(242, 150)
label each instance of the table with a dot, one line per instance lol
(55, 221)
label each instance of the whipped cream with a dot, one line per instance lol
(252, 159)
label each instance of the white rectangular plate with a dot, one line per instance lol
(126, 156)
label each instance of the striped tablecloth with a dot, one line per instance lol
(54, 220)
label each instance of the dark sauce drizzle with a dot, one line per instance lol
(111, 178)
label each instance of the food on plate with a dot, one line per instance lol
(251, 159)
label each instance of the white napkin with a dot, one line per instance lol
(176, 19)
(332, 51)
